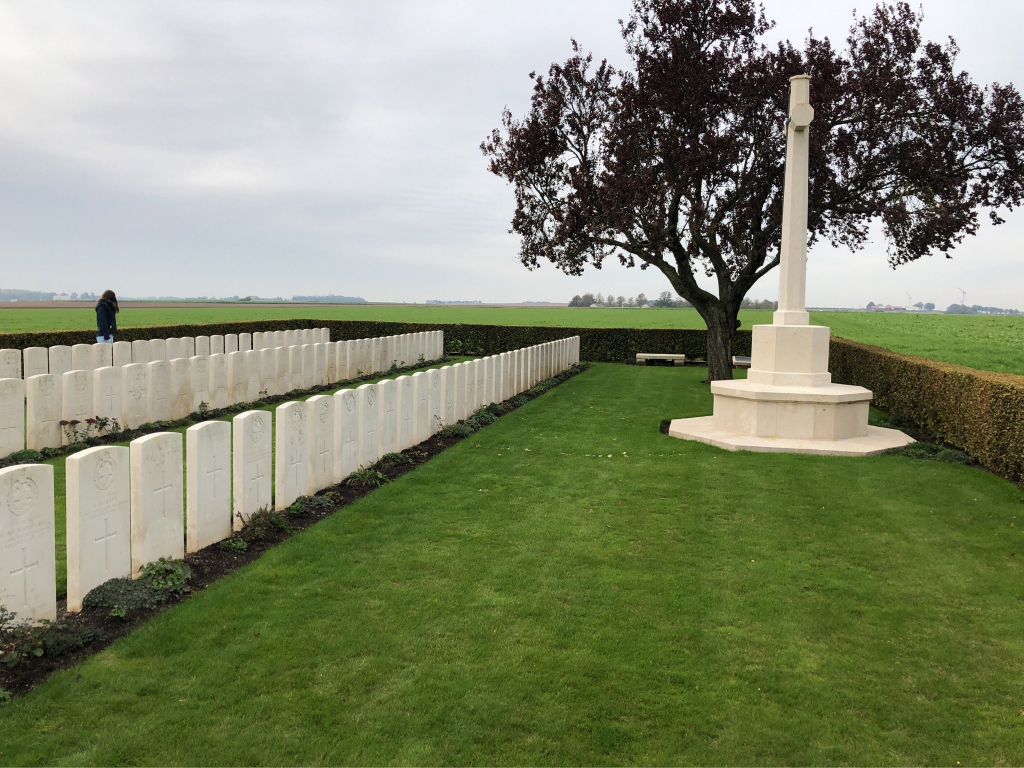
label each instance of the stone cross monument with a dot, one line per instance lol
(788, 402)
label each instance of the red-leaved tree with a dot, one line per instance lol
(678, 163)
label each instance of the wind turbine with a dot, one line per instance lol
(910, 307)
(963, 297)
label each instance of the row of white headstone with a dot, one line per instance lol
(161, 390)
(59, 359)
(126, 507)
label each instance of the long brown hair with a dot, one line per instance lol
(108, 295)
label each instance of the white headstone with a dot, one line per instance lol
(346, 434)
(488, 391)
(12, 416)
(188, 346)
(208, 494)
(122, 353)
(319, 364)
(174, 348)
(102, 355)
(37, 361)
(28, 580)
(448, 375)
(199, 372)
(341, 359)
(257, 340)
(203, 346)
(480, 367)
(435, 410)
(60, 360)
(461, 390)
(10, 364)
(219, 387)
(331, 371)
(216, 344)
(320, 420)
(291, 470)
(230, 343)
(42, 411)
(407, 412)
(134, 399)
(158, 390)
(253, 364)
(98, 520)
(244, 342)
(181, 388)
(378, 355)
(470, 368)
(326, 338)
(158, 528)
(252, 464)
(295, 367)
(140, 352)
(390, 428)
(76, 405)
(82, 358)
(268, 371)
(107, 398)
(307, 336)
(282, 369)
(157, 350)
(421, 403)
(308, 366)
(238, 378)
(368, 403)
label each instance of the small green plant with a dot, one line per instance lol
(107, 425)
(5, 697)
(454, 347)
(481, 418)
(204, 408)
(25, 455)
(263, 524)
(20, 641)
(457, 430)
(519, 400)
(389, 460)
(75, 431)
(306, 505)
(497, 409)
(367, 478)
(167, 576)
(118, 612)
(123, 595)
(234, 544)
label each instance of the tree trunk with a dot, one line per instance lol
(721, 327)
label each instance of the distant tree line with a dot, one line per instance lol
(977, 309)
(665, 300)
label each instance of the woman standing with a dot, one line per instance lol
(106, 318)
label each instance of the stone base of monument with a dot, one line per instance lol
(789, 404)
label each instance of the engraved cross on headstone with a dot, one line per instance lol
(105, 539)
(322, 456)
(257, 475)
(112, 398)
(217, 469)
(163, 489)
(23, 572)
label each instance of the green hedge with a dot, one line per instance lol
(979, 412)
(596, 344)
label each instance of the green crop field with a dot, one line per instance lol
(569, 586)
(983, 342)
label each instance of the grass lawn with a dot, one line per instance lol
(569, 586)
(985, 342)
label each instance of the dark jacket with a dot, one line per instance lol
(106, 319)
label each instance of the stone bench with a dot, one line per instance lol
(643, 357)
(739, 361)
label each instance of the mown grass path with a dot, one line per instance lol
(984, 342)
(569, 586)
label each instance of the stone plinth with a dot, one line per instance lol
(788, 402)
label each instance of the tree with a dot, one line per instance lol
(664, 300)
(677, 163)
(641, 300)
(929, 306)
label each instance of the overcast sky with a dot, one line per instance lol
(280, 148)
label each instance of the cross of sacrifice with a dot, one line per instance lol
(105, 539)
(217, 469)
(26, 566)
